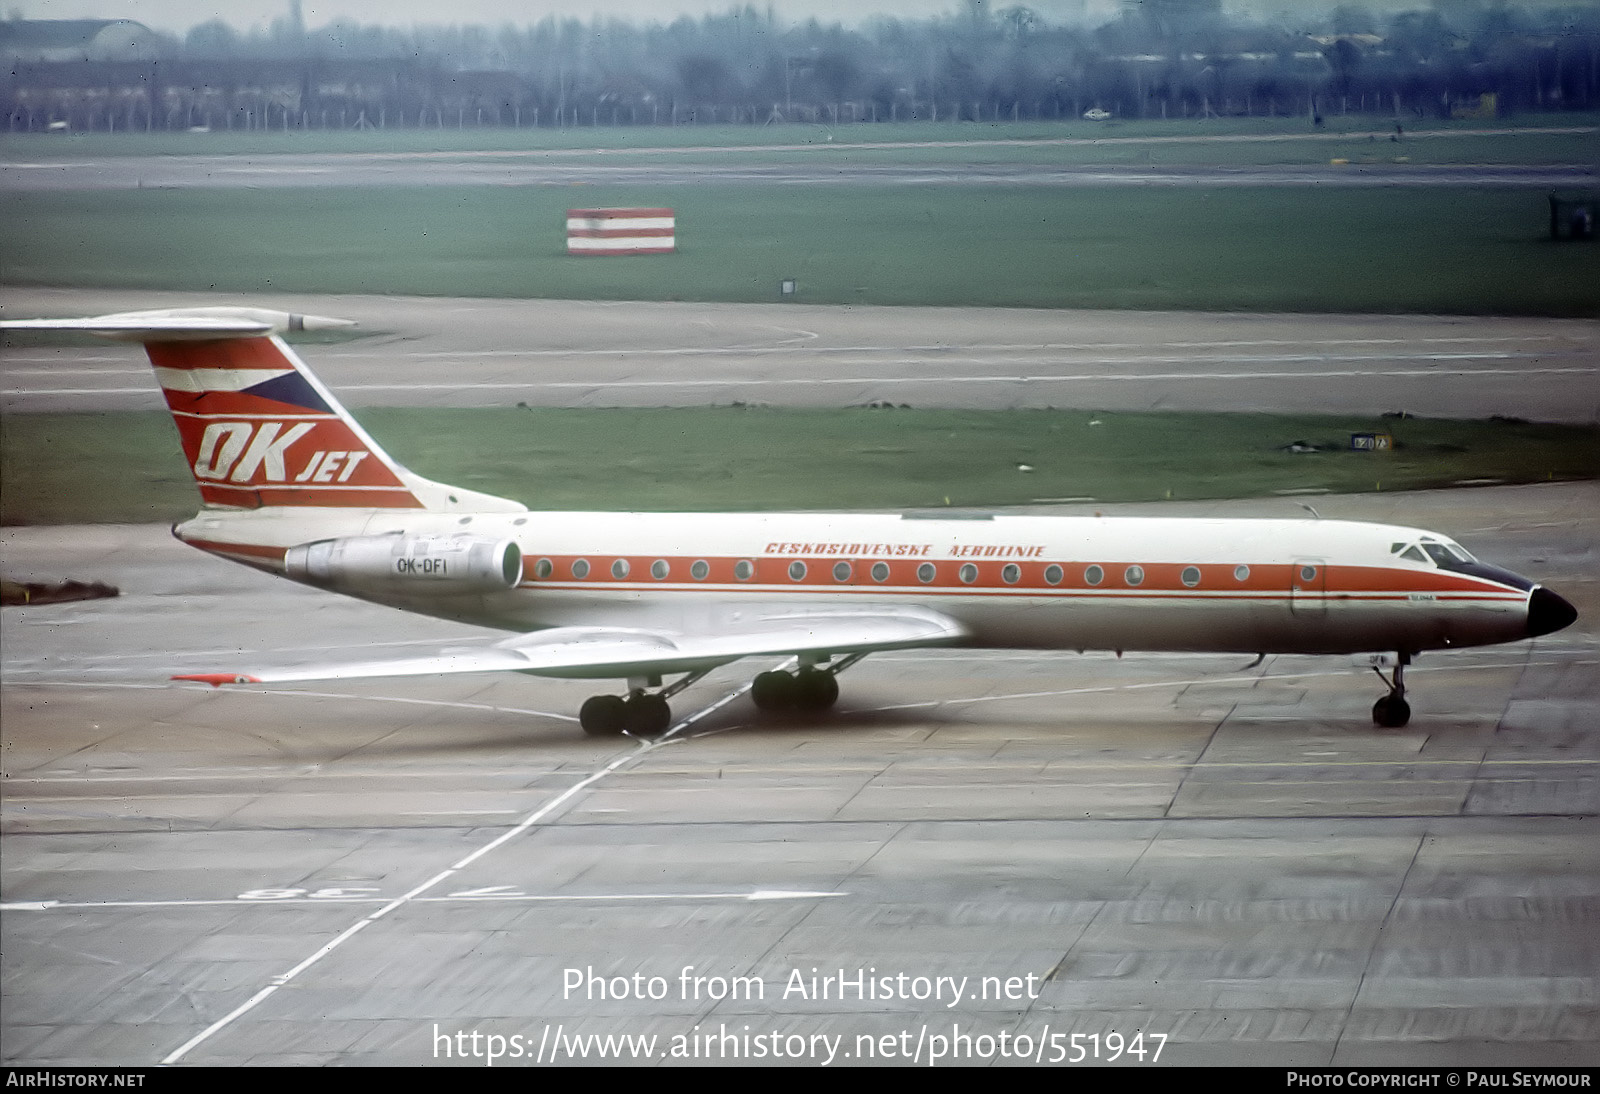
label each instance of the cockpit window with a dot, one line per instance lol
(1449, 555)
(1445, 553)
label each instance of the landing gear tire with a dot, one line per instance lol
(603, 715)
(774, 691)
(1391, 712)
(815, 690)
(808, 689)
(647, 715)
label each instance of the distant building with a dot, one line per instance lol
(58, 40)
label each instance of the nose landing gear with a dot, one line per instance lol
(1392, 711)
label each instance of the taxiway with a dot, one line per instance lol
(452, 352)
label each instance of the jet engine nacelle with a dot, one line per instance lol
(413, 565)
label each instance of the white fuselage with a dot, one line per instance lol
(1254, 586)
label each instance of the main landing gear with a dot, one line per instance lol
(810, 688)
(1392, 711)
(641, 714)
(806, 690)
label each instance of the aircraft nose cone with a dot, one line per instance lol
(1548, 612)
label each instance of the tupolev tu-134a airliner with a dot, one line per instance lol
(292, 485)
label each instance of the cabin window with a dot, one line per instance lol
(797, 570)
(1133, 575)
(1190, 576)
(968, 574)
(1011, 573)
(700, 569)
(880, 571)
(543, 568)
(619, 568)
(659, 569)
(1094, 575)
(580, 568)
(1053, 574)
(1308, 573)
(1241, 573)
(744, 569)
(925, 572)
(520, 520)
(841, 571)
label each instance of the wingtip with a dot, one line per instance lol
(217, 679)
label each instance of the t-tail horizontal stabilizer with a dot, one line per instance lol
(258, 428)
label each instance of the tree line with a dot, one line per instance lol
(1160, 58)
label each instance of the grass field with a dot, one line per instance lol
(1453, 250)
(1459, 250)
(733, 458)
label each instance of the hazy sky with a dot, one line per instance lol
(179, 15)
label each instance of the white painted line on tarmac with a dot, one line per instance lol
(416, 893)
(467, 897)
(459, 812)
(800, 346)
(938, 348)
(391, 905)
(415, 702)
(20, 665)
(1204, 680)
(932, 381)
(206, 689)
(685, 723)
(1021, 378)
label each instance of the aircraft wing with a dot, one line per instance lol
(616, 652)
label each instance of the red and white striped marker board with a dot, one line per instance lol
(620, 231)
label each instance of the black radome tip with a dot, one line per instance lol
(1548, 613)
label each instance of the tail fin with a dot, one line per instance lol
(258, 428)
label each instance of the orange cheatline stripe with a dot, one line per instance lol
(633, 585)
(770, 574)
(1273, 579)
